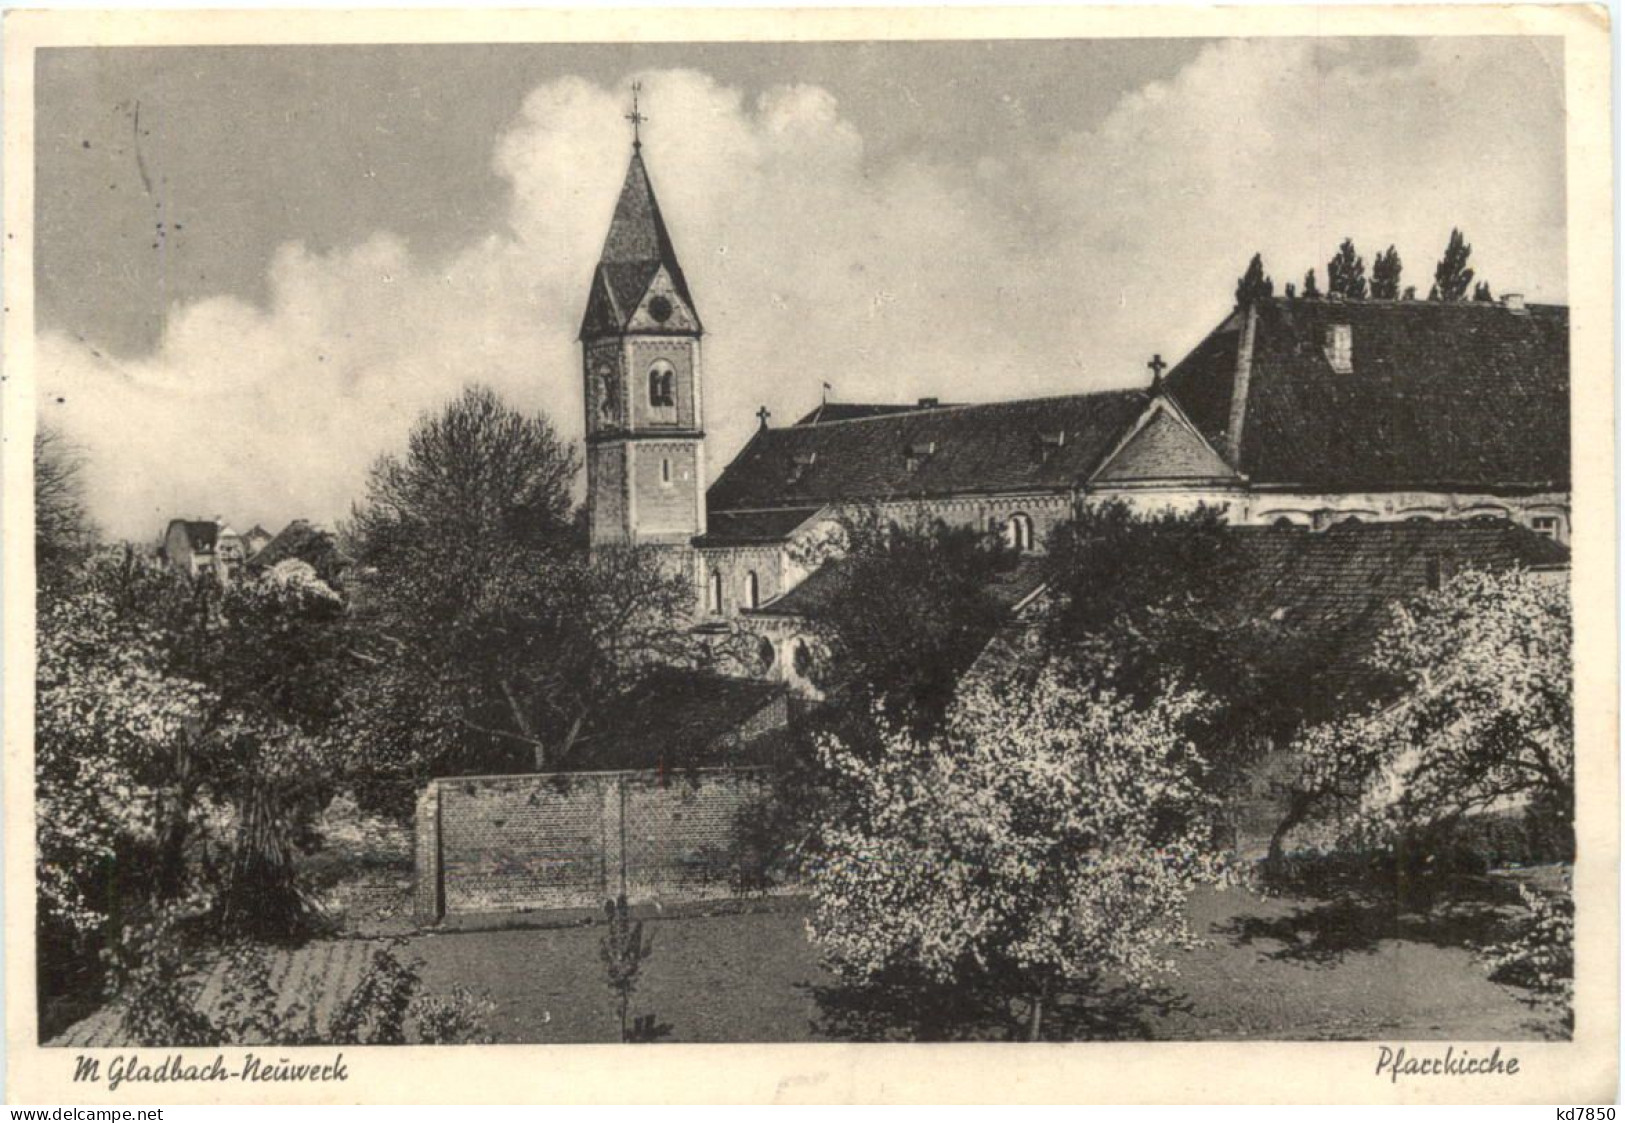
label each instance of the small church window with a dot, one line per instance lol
(662, 385)
(801, 659)
(1018, 533)
(752, 589)
(713, 592)
(1547, 525)
(1440, 569)
(665, 470)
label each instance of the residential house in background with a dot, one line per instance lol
(303, 541)
(194, 546)
(257, 539)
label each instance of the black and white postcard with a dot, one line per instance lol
(1031, 554)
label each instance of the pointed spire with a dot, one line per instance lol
(637, 233)
(636, 248)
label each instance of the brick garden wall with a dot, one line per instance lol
(569, 840)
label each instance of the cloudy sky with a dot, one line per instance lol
(256, 266)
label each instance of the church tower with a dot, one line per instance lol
(640, 346)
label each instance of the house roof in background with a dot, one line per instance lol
(201, 534)
(851, 411)
(1442, 396)
(1035, 443)
(1333, 590)
(748, 528)
(311, 544)
(1009, 588)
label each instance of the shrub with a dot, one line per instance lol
(1540, 952)
(455, 1019)
(160, 978)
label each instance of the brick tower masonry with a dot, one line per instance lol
(640, 343)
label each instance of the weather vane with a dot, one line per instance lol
(635, 117)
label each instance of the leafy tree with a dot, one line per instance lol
(62, 530)
(1409, 293)
(910, 612)
(1254, 284)
(1311, 291)
(1048, 834)
(1483, 715)
(271, 651)
(1482, 293)
(1139, 602)
(163, 704)
(1451, 277)
(1345, 273)
(1291, 291)
(113, 729)
(488, 631)
(1385, 275)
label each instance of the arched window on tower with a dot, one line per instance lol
(1018, 533)
(752, 589)
(713, 592)
(662, 385)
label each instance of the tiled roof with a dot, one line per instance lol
(299, 539)
(746, 528)
(999, 447)
(201, 534)
(675, 719)
(1008, 589)
(1332, 590)
(1440, 396)
(851, 411)
(635, 248)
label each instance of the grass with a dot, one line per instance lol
(1274, 968)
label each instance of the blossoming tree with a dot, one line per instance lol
(1483, 718)
(1048, 834)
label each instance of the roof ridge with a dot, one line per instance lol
(911, 411)
(1398, 302)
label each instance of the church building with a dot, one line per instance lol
(1292, 412)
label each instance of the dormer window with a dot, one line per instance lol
(801, 464)
(916, 454)
(1340, 348)
(1049, 444)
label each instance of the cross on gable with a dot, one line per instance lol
(1157, 367)
(763, 414)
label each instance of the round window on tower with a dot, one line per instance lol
(660, 309)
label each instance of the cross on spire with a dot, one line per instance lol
(635, 117)
(1157, 367)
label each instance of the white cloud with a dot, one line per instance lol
(1057, 270)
